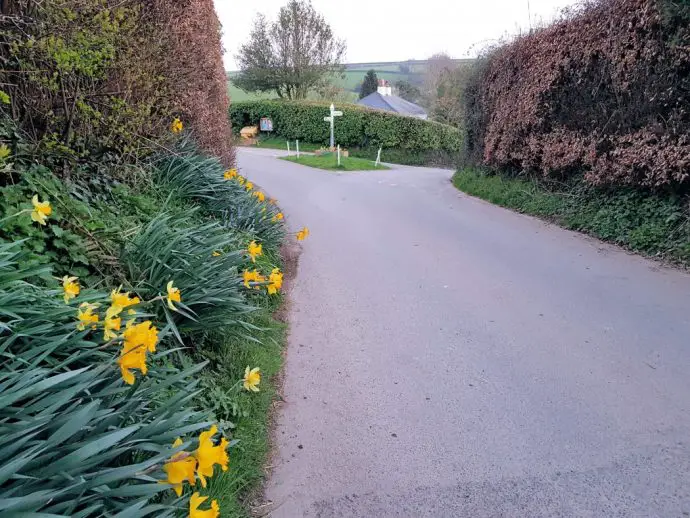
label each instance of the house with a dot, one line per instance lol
(383, 99)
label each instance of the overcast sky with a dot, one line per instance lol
(396, 30)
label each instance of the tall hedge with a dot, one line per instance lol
(604, 92)
(359, 127)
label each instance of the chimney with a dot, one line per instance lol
(384, 87)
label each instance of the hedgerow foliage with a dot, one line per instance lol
(95, 78)
(358, 127)
(605, 91)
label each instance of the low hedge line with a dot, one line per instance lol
(407, 139)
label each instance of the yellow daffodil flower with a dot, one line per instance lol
(249, 186)
(240, 180)
(278, 217)
(215, 253)
(275, 280)
(196, 500)
(254, 251)
(208, 455)
(179, 468)
(302, 234)
(86, 316)
(173, 295)
(139, 339)
(252, 276)
(122, 300)
(71, 288)
(111, 322)
(230, 174)
(41, 210)
(260, 196)
(176, 125)
(251, 379)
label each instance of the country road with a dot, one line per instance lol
(449, 358)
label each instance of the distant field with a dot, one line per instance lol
(392, 71)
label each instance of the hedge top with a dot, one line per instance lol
(358, 127)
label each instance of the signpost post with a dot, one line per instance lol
(331, 119)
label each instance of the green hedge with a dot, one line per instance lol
(408, 139)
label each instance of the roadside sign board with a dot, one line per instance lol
(265, 124)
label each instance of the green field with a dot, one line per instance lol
(392, 71)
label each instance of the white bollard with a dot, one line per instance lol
(297, 147)
(338, 155)
(288, 145)
(378, 158)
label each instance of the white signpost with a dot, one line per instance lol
(331, 119)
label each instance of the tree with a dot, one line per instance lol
(407, 90)
(369, 85)
(291, 55)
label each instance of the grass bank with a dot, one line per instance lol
(647, 223)
(329, 161)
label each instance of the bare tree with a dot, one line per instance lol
(290, 56)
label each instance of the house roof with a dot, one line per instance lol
(392, 103)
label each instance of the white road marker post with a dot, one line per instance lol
(297, 146)
(288, 145)
(378, 158)
(338, 155)
(331, 119)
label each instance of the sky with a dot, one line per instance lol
(397, 30)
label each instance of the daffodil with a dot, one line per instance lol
(254, 250)
(240, 180)
(249, 186)
(302, 234)
(260, 196)
(176, 125)
(216, 253)
(86, 316)
(173, 295)
(179, 468)
(41, 210)
(4, 151)
(123, 300)
(138, 340)
(230, 174)
(278, 217)
(275, 281)
(208, 455)
(70, 286)
(251, 379)
(111, 322)
(196, 500)
(252, 276)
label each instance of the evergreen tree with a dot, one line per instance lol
(369, 84)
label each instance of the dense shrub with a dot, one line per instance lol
(357, 128)
(604, 91)
(104, 78)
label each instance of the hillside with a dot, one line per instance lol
(411, 70)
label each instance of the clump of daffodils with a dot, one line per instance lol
(230, 174)
(187, 467)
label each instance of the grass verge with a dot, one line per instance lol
(651, 224)
(329, 162)
(281, 143)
